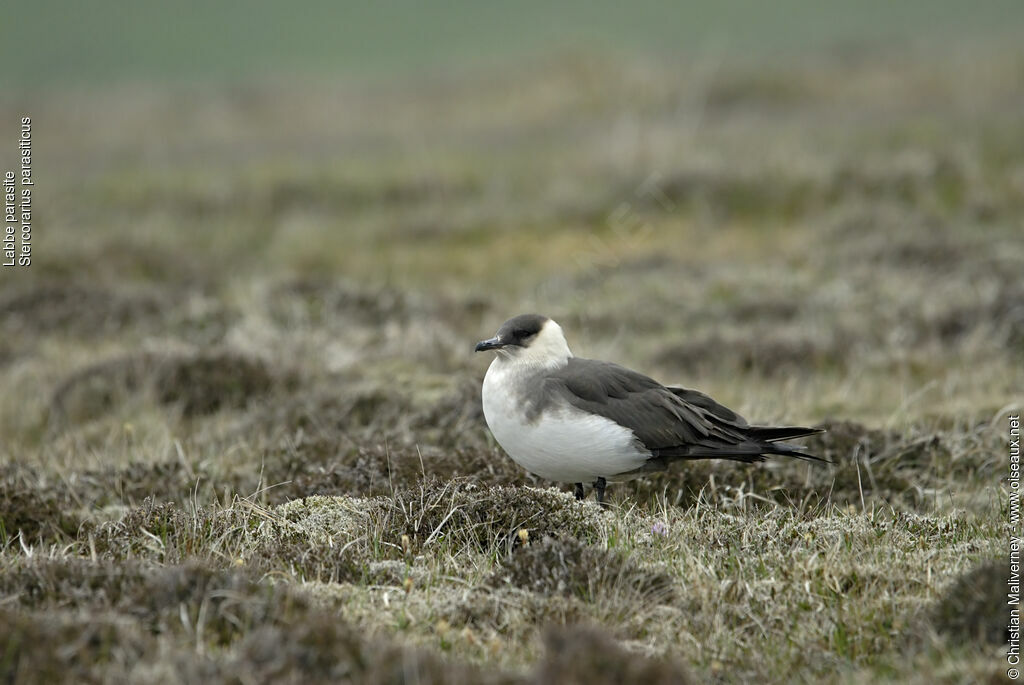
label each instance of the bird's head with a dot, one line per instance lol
(530, 338)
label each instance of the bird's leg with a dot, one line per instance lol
(599, 486)
(579, 491)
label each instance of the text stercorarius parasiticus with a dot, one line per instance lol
(585, 421)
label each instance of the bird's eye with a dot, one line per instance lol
(522, 333)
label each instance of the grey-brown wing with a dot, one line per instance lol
(699, 399)
(668, 421)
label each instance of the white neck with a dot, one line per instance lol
(548, 350)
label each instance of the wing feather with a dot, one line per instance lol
(668, 421)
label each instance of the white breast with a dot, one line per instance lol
(561, 444)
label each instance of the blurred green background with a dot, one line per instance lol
(51, 42)
(266, 237)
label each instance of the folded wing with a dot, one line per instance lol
(670, 422)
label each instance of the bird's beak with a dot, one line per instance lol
(489, 344)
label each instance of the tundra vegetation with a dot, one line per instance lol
(241, 428)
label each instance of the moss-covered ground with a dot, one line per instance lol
(240, 427)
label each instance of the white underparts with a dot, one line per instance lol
(561, 443)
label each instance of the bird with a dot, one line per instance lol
(574, 420)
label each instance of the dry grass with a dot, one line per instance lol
(242, 435)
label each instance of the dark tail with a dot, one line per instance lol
(760, 442)
(771, 434)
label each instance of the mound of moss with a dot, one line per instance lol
(197, 383)
(586, 655)
(974, 607)
(79, 621)
(569, 567)
(57, 647)
(37, 509)
(454, 512)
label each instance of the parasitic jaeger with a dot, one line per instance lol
(580, 421)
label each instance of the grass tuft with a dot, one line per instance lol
(974, 608)
(569, 567)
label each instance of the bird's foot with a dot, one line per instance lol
(579, 492)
